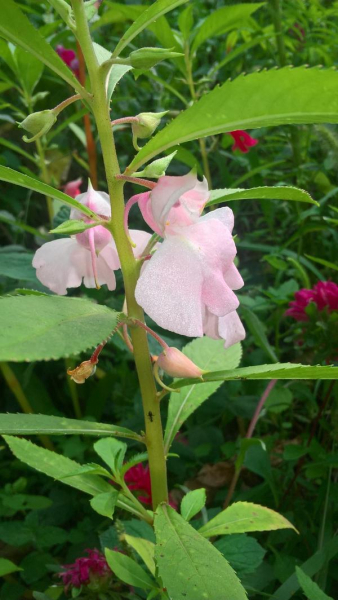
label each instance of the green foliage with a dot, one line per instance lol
(199, 570)
(192, 503)
(145, 549)
(65, 326)
(311, 590)
(7, 567)
(128, 570)
(105, 503)
(276, 98)
(242, 517)
(243, 552)
(260, 193)
(112, 453)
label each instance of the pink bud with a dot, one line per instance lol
(173, 362)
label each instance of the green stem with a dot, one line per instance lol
(129, 267)
(45, 177)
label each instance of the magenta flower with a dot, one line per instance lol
(90, 256)
(138, 480)
(69, 58)
(243, 141)
(324, 294)
(187, 286)
(85, 571)
(72, 188)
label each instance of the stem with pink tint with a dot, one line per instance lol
(91, 238)
(144, 182)
(151, 332)
(124, 120)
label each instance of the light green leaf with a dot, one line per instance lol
(56, 466)
(74, 226)
(21, 424)
(243, 552)
(16, 28)
(257, 330)
(322, 261)
(277, 371)
(208, 354)
(104, 504)
(192, 503)
(7, 567)
(157, 168)
(260, 193)
(112, 453)
(222, 20)
(29, 69)
(152, 13)
(241, 517)
(115, 73)
(11, 176)
(118, 13)
(145, 549)
(188, 564)
(128, 570)
(311, 590)
(51, 327)
(277, 97)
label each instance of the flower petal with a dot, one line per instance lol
(231, 329)
(233, 278)
(59, 264)
(225, 215)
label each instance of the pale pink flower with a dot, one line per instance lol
(72, 188)
(90, 256)
(173, 362)
(187, 286)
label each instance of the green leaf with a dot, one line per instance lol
(128, 570)
(277, 97)
(277, 371)
(44, 424)
(243, 552)
(17, 265)
(207, 354)
(115, 73)
(245, 444)
(152, 13)
(145, 549)
(7, 567)
(11, 176)
(16, 28)
(192, 503)
(279, 399)
(105, 503)
(241, 517)
(189, 566)
(157, 168)
(56, 466)
(260, 193)
(311, 590)
(112, 453)
(323, 262)
(186, 21)
(222, 20)
(74, 226)
(51, 327)
(257, 330)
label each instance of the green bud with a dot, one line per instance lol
(145, 58)
(38, 124)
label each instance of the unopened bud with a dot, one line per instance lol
(173, 362)
(145, 58)
(146, 124)
(83, 371)
(38, 124)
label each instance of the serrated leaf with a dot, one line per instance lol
(128, 570)
(145, 549)
(311, 590)
(277, 97)
(55, 465)
(74, 226)
(21, 424)
(260, 193)
(16, 28)
(242, 517)
(192, 503)
(276, 371)
(222, 20)
(104, 504)
(243, 552)
(11, 176)
(152, 13)
(157, 168)
(188, 565)
(7, 567)
(51, 327)
(207, 354)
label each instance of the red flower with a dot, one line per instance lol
(72, 188)
(324, 294)
(138, 480)
(84, 570)
(69, 58)
(243, 141)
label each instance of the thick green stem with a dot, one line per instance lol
(129, 267)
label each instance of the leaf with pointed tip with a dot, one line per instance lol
(128, 570)
(116, 72)
(192, 503)
(145, 549)
(311, 590)
(7, 567)
(74, 226)
(51, 327)
(104, 504)
(260, 193)
(277, 97)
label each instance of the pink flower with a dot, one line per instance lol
(173, 362)
(85, 570)
(243, 141)
(324, 294)
(69, 58)
(187, 286)
(138, 480)
(90, 256)
(72, 188)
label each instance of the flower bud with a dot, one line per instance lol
(173, 362)
(146, 124)
(38, 124)
(83, 371)
(146, 58)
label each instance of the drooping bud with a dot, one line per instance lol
(173, 362)
(38, 124)
(82, 371)
(145, 125)
(146, 58)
